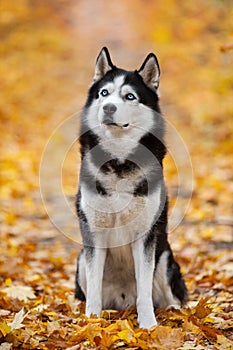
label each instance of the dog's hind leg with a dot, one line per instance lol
(144, 263)
(95, 261)
(169, 289)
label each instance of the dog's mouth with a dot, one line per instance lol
(123, 126)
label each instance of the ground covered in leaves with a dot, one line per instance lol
(48, 51)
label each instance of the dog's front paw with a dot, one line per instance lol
(93, 310)
(147, 322)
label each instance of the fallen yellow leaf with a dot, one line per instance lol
(4, 328)
(167, 338)
(20, 292)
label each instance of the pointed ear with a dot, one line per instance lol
(103, 64)
(150, 71)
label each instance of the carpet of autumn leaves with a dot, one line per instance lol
(48, 50)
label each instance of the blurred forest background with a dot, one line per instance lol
(48, 51)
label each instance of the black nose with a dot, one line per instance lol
(109, 108)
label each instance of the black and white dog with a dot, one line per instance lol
(122, 203)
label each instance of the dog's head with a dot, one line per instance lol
(123, 104)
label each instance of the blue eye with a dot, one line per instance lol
(104, 92)
(130, 97)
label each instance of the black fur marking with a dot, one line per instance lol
(148, 185)
(84, 227)
(99, 156)
(100, 189)
(141, 189)
(78, 290)
(89, 250)
(161, 233)
(93, 185)
(155, 145)
(120, 169)
(93, 93)
(88, 140)
(176, 280)
(139, 158)
(104, 162)
(146, 95)
(123, 296)
(158, 234)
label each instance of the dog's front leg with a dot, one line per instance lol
(94, 273)
(144, 262)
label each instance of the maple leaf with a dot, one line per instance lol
(53, 327)
(201, 310)
(167, 338)
(18, 319)
(23, 293)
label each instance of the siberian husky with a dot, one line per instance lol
(122, 203)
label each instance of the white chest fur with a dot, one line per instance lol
(120, 218)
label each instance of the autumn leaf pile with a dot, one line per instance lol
(48, 50)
